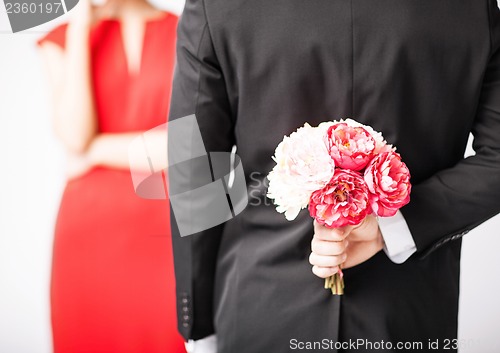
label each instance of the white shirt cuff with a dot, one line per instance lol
(399, 244)
(204, 345)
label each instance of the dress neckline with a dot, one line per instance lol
(135, 73)
(158, 18)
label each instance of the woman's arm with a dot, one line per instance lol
(74, 115)
(112, 150)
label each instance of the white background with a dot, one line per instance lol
(31, 177)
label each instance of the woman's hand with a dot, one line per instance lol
(77, 165)
(347, 246)
(83, 15)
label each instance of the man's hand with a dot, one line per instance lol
(347, 246)
(365, 240)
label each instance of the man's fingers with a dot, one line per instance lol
(324, 272)
(329, 234)
(346, 230)
(323, 247)
(359, 252)
(326, 261)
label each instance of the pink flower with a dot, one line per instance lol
(381, 144)
(343, 201)
(388, 180)
(351, 147)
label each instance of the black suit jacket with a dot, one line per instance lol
(425, 73)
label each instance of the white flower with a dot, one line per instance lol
(303, 165)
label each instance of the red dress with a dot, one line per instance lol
(113, 286)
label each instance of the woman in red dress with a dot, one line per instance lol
(113, 287)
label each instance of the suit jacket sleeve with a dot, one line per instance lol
(453, 201)
(199, 89)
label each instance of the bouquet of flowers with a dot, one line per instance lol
(342, 171)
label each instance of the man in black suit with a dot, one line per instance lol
(424, 73)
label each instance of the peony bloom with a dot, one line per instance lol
(381, 144)
(343, 201)
(388, 180)
(303, 165)
(351, 147)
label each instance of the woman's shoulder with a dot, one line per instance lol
(57, 36)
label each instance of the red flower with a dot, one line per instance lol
(343, 201)
(351, 147)
(388, 180)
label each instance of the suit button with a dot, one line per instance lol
(184, 301)
(186, 317)
(185, 309)
(185, 324)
